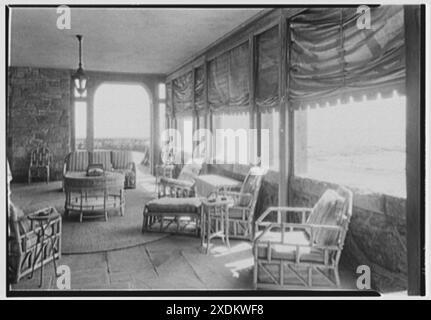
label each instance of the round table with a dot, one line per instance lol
(92, 194)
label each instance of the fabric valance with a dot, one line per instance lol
(183, 91)
(169, 106)
(268, 64)
(199, 90)
(332, 59)
(228, 81)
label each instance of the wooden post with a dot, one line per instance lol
(195, 116)
(72, 113)
(206, 93)
(285, 117)
(155, 132)
(415, 129)
(290, 113)
(209, 116)
(254, 151)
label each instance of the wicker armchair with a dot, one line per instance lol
(40, 161)
(166, 167)
(290, 255)
(241, 214)
(183, 186)
(26, 252)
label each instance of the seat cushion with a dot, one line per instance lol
(181, 183)
(174, 205)
(102, 157)
(287, 249)
(121, 159)
(78, 161)
(328, 210)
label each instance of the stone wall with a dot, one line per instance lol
(376, 236)
(38, 112)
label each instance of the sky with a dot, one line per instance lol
(120, 111)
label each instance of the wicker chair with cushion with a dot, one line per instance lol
(176, 203)
(40, 161)
(24, 248)
(241, 214)
(183, 186)
(304, 253)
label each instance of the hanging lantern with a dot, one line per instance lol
(79, 77)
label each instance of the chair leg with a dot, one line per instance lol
(144, 222)
(337, 277)
(310, 276)
(255, 270)
(122, 202)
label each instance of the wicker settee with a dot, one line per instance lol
(116, 160)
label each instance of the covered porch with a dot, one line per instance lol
(325, 102)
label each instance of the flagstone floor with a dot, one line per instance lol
(172, 263)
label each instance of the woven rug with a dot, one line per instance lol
(92, 235)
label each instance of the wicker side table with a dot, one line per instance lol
(215, 220)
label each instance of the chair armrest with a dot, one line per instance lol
(286, 211)
(238, 196)
(268, 228)
(309, 228)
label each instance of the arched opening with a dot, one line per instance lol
(122, 121)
